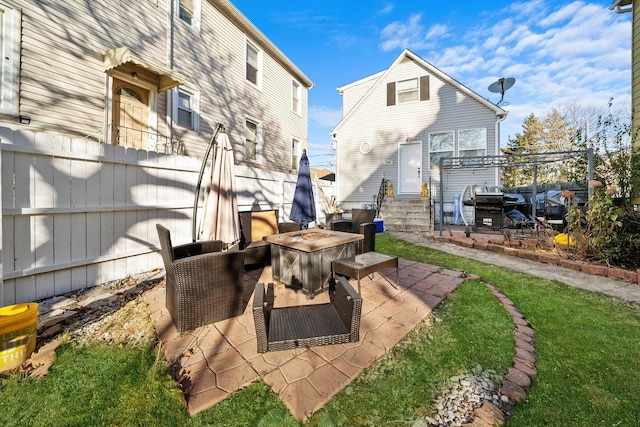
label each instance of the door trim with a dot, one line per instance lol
(401, 189)
(152, 116)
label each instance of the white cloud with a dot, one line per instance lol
(568, 12)
(324, 116)
(410, 34)
(578, 53)
(436, 31)
(386, 9)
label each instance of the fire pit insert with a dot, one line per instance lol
(302, 259)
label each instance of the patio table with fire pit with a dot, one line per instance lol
(302, 259)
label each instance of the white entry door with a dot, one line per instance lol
(410, 164)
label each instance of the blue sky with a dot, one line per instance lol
(559, 52)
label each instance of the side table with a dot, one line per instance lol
(363, 265)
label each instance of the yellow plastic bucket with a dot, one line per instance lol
(564, 240)
(17, 334)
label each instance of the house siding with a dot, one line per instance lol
(62, 54)
(386, 127)
(217, 67)
(352, 93)
(63, 85)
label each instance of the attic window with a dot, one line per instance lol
(408, 90)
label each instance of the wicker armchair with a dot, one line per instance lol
(203, 284)
(285, 328)
(255, 225)
(361, 222)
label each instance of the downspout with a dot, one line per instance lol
(497, 153)
(167, 118)
(334, 137)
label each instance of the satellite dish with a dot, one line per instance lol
(501, 86)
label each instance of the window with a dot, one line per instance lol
(408, 90)
(440, 147)
(254, 61)
(185, 10)
(252, 140)
(295, 153)
(9, 58)
(185, 110)
(189, 12)
(296, 92)
(472, 142)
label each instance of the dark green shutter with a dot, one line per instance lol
(391, 93)
(424, 88)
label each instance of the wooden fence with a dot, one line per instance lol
(77, 213)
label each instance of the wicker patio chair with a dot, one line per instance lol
(255, 225)
(361, 222)
(308, 325)
(203, 284)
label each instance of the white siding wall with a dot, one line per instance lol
(355, 91)
(214, 60)
(64, 87)
(76, 213)
(359, 175)
(62, 80)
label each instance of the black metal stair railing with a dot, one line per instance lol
(382, 193)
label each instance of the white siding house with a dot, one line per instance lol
(153, 75)
(106, 110)
(398, 123)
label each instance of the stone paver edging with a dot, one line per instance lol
(517, 249)
(519, 378)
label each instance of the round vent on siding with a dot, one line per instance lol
(365, 148)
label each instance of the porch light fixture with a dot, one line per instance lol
(25, 120)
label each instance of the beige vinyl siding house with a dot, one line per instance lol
(154, 75)
(106, 110)
(403, 121)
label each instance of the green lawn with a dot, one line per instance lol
(588, 370)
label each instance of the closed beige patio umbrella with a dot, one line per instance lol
(220, 219)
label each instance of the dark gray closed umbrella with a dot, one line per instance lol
(303, 208)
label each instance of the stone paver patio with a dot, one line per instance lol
(216, 360)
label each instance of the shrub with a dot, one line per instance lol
(608, 232)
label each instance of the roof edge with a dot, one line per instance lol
(234, 14)
(408, 53)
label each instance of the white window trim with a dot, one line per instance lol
(10, 62)
(416, 90)
(197, 13)
(195, 107)
(296, 153)
(298, 111)
(257, 47)
(259, 142)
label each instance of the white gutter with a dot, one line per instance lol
(619, 7)
(234, 14)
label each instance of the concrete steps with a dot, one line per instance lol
(407, 214)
